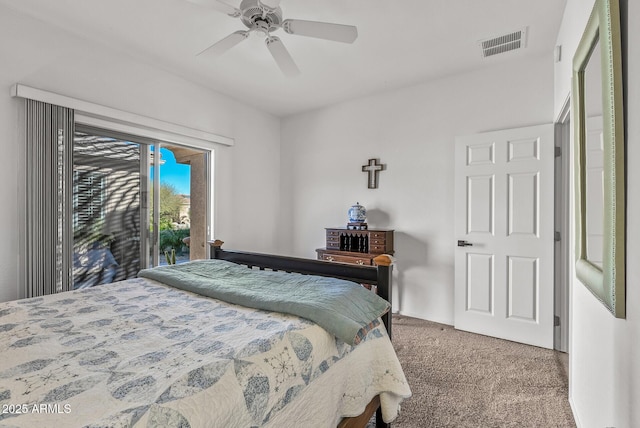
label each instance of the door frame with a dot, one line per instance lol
(562, 256)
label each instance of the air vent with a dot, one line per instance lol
(504, 43)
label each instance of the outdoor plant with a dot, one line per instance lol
(171, 257)
(173, 239)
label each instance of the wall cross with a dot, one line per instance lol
(373, 168)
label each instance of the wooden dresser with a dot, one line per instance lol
(358, 247)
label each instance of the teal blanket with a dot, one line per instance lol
(343, 308)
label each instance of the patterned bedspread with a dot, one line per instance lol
(139, 353)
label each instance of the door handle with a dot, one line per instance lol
(462, 243)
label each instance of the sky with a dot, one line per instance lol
(174, 173)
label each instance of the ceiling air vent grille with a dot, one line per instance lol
(504, 43)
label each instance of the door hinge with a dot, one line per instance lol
(556, 321)
(558, 151)
(556, 236)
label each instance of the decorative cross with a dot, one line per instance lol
(373, 167)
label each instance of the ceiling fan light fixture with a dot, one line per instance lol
(261, 27)
(252, 12)
(264, 17)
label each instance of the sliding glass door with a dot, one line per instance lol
(180, 196)
(137, 203)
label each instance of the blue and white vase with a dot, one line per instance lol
(357, 213)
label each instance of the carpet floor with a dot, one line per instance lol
(461, 379)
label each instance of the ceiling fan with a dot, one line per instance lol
(265, 17)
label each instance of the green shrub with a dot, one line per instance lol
(171, 239)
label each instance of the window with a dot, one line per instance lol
(88, 199)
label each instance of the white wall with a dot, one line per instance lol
(412, 131)
(44, 57)
(604, 379)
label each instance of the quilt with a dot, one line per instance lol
(343, 308)
(139, 353)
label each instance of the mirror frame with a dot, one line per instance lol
(608, 283)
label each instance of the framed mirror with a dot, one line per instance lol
(597, 114)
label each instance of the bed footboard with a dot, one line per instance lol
(379, 275)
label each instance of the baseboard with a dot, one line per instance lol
(575, 414)
(422, 317)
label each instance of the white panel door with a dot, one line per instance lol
(504, 195)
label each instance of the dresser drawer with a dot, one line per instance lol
(354, 260)
(333, 242)
(378, 241)
(377, 249)
(377, 235)
(333, 233)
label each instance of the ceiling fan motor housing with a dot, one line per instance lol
(253, 16)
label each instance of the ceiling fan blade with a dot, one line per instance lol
(219, 6)
(321, 30)
(282, 56)
(225, 44)
(270, 4)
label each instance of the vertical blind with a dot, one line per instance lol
(49, 169)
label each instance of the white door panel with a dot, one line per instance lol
(504, 218)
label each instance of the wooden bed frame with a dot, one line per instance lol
(379, 275)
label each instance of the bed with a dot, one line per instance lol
(146, 353)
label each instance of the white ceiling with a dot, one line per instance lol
(399, 43)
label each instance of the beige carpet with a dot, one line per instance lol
(460, 379)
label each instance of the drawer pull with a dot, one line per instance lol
(328, 258)
(360, 262)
